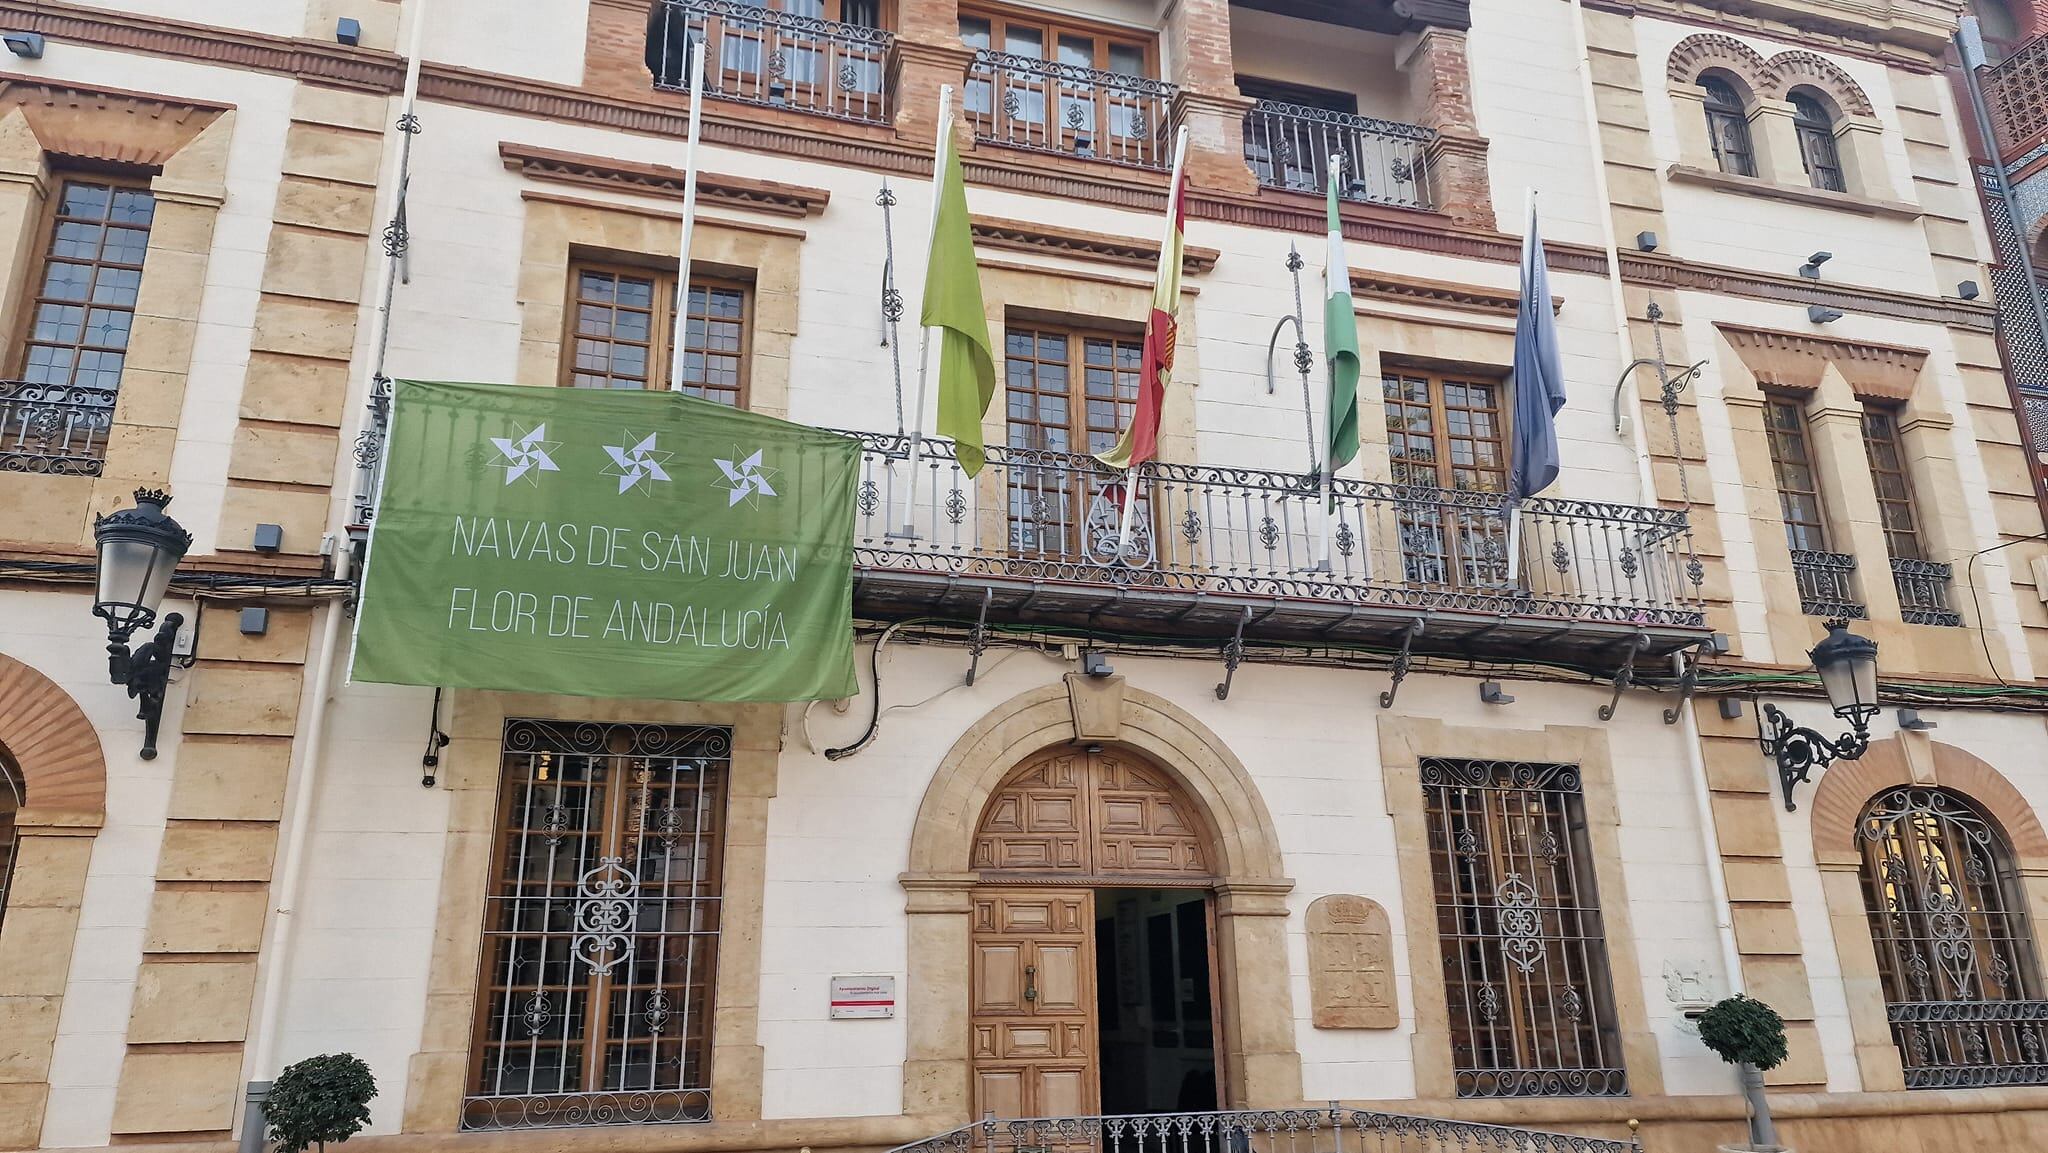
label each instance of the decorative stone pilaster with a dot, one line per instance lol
(1774, 140)
(1440, 89)
(1259, 1054)
(1859, 140)
(1215, 127)
(1689, 116)
(917, 70)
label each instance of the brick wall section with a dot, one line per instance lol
(1195, 38)
(1440, 89)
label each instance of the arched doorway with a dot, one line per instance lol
(1092, 982)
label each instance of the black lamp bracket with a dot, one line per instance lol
(1800, 750)
(146, 673)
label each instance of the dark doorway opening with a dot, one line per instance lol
(1155, 1007)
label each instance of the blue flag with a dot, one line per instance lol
(1539, 375)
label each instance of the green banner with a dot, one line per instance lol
(608, 544)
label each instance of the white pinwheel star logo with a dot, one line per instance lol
(637, 463)
(527, 454)
(747, 479)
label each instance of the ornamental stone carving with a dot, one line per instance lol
(1351, 964)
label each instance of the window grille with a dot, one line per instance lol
(1818, 153)
(1954, 951)
(1728, 128)
(1518, 920)
(601, 927)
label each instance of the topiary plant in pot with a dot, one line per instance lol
(317, 1100)
(1749, 1035)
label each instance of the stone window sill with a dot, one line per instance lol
(1795, 193)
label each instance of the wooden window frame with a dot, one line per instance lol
(1441, 438)
(1734, 114)
(662, 308)
(1259, 88)
(1052, 25)
(41, 256)
(1820, 156)
(1802, 430)
(1019, 477)
(1886, 418)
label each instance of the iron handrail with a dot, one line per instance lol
(759, 55)
(1332, 1129)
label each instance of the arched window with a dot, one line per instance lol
(11, 800)
(1817, 151)
(1728, 127)
(1954, 951)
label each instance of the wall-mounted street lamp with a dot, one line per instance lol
(1847, 665)
(138, 549)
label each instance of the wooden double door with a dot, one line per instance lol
(1065, 824)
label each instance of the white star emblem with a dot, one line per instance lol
(642, 461)
(527, 454)
(747, 479)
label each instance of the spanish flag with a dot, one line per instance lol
(1140, 442)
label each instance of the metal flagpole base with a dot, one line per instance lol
(907, 532)
(1322, 567)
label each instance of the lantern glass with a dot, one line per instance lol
(139, 548)
(1847, 665)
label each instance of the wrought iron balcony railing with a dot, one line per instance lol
(1334, 1129)
(1047, 106)
(1923, 592)
(1967, 1044)
(54, 428)
(1051, 517)
(757, 55)
(1289, 146)
(1827, 585)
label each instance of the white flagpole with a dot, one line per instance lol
(1329, 406)
(1173, 193)
(676, 355)
(924, 335)
(1515, 508)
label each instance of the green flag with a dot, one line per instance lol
(608, 544)
(952, 304)
(1340, 346)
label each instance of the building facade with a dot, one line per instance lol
(1191, 826)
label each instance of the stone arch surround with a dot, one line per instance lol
(1262, 1065)
(64, 784)
(1845, 788)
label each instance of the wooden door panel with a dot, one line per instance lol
(1034, 1054)
(1059, 979)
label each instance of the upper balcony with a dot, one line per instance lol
(1037, 538)
(1275, 89)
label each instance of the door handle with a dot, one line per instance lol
(1031, 982)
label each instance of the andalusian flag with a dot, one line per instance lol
(1140, 442)
(952, 304)
(1340, 343)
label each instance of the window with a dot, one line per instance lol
(1728, 127)
(621, 322)
(11, 801)
(1292, 133)
(1818, 153)
(823, 56)
(1894, 487)
(1798, 483)
(1448, 433)
(1954, 951)
(1068, 392)
(1097, 82)
(1518, 921)
(601, 927)
(84, 304)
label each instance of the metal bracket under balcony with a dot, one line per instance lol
(1036, 536)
